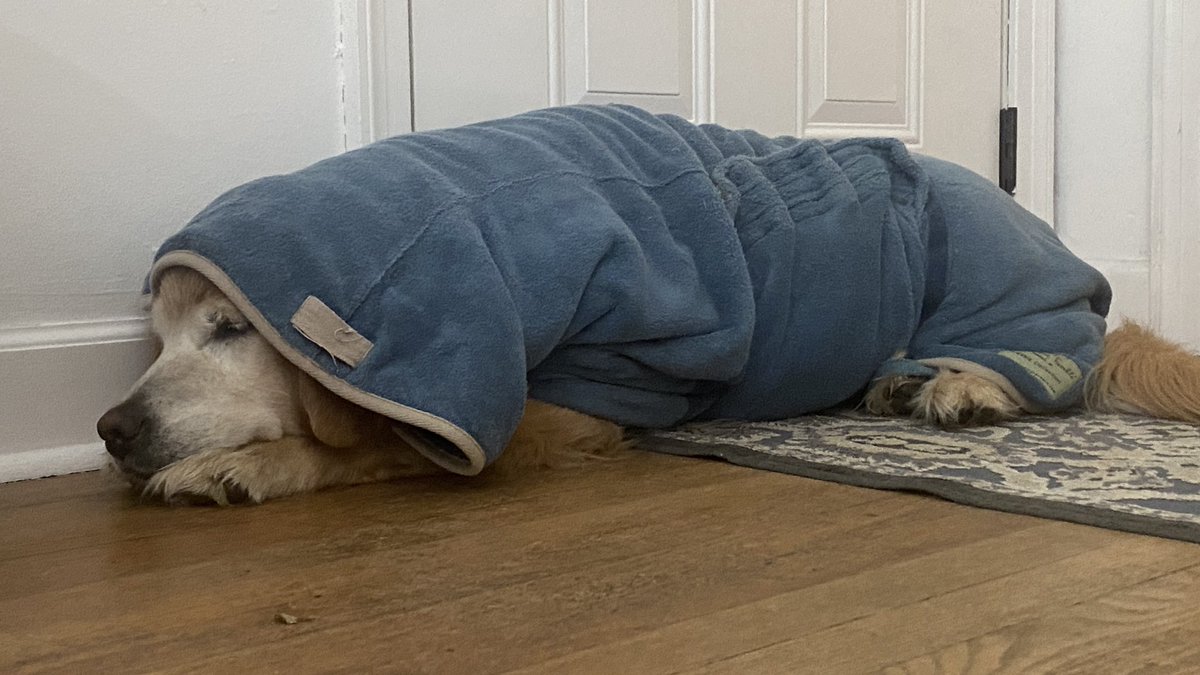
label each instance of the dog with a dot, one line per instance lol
(233, 411)
(220, 417)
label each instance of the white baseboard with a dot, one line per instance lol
(46, 462)
(55, 382)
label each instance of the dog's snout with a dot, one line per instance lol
(120, 426)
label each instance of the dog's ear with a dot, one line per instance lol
(333, 420)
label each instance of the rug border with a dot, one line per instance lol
(949, 490)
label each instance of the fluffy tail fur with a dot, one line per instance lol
(1142, 373)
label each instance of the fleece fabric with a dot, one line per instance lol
(642, 269)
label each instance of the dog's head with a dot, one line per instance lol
(216, 383)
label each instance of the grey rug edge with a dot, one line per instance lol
(949, 490)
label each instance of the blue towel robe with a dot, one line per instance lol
(642, 269)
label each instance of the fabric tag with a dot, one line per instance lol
(1056, 372)
(324, 327)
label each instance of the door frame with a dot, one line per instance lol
(1175, 171)
(374, 52)
(1030, 67)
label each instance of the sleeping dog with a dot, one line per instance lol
(513, 294)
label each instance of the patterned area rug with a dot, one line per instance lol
(1115, 471)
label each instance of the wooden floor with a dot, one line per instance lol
(642, 565)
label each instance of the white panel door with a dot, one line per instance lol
(925, 71)
(628, 51)
(474, 60)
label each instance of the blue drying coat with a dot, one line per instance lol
(642, 269)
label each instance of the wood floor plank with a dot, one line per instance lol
(712, 637)
(73, 515)
(869, 642)
(72, 487)
(1141, 628)
(550, 615)
(350, 568)
(574, 595)
(647, 564)
(19, 492)
(122, 528)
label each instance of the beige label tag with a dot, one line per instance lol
(1056, 372)
(323, 326)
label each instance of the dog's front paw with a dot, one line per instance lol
(220, 476)
(952, 400)
(268, 469)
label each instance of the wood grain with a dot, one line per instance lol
(642, 564)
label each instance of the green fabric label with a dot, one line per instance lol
(1056, 372)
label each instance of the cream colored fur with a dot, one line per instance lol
(949, 399)
(237, 422)
(1139, 373)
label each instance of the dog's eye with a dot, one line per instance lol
(227, 330)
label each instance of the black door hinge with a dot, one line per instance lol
(1008, 150)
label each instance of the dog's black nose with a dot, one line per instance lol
(120, 426)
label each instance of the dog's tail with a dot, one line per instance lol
(1143, 373)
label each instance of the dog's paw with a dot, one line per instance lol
(893, 395)
(268, 469)
(953, 399)
(220, 476)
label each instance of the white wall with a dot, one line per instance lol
(118, 121)
(1103, 141)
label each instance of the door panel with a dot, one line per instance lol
(755, 64)
(960, 85)
(629, 51)
(475, 60)
(925, 71)
(861, 67)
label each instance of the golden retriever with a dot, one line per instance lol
(220, 416)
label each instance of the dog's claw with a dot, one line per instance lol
(893, 396)
(235, 493)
